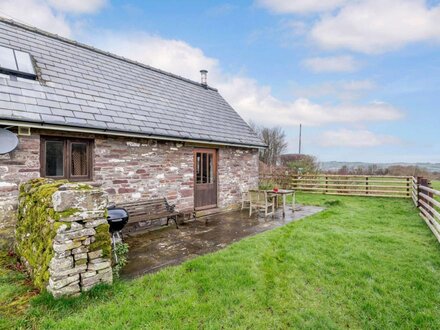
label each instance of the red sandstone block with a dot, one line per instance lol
(29, 170)
(119, 181)
(186, 192)
(126, 190)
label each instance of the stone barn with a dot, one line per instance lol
(137, 132)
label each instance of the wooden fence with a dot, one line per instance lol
(353, 185)
(428, 202)
(419, 189)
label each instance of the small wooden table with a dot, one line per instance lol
(284, 193)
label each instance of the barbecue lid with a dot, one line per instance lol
(117, 214)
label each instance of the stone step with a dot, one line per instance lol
(204, 213)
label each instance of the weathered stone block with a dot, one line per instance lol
(81, 249)
(92, 280)
(67, 245)
(79, 256)
(97, 260)
(70, 290)
(76, 198)
(78, 234)
(103, 276)
(98, 266)
(88, 274)
(61, 264)
(83, 216)
(68, 272)
(95, 223)
(95, 254)
(63, 254)
(61, 283)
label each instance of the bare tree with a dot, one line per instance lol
(275, 139)
(306, 164)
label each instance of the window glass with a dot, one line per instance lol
(198, 168)
(7, 60)
(204, 169)
(54, 158)
(210, 169)
(78, 157)
(24, 62)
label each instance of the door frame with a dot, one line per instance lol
(214, 152)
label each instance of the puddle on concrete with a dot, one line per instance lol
(156, 249)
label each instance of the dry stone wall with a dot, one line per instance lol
(62, 236)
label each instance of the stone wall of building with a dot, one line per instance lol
(237, 172)
(62, 236)
(133, 169)
(16, 167)
(129, 169)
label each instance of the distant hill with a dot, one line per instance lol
(334, 165)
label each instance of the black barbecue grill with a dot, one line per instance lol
(117, 218)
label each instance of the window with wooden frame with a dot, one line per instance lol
(66, 158)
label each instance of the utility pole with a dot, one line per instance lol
(299, 146)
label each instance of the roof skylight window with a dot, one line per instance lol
(16, 63)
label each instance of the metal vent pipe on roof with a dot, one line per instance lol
(204, 77)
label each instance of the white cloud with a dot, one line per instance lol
(331, 64)
(49, 15)
(78, 6)
(167, 54)
(377, 26)
(300, 6)
(36, 13)
(247, 96)
(355, 139)
(346, 91)
(259, 105)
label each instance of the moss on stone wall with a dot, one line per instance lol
(102, 241)
(38, 223)
(35, 228)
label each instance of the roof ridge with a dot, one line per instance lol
(99, 51)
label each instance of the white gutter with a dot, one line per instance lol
(115, 133)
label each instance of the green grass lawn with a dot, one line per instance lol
(361, 263)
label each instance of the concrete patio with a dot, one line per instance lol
(153, 250)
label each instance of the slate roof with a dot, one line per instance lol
(83, 87)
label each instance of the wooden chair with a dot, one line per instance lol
(245, 201)
(260, 200)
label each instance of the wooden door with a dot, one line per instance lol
(205, 178)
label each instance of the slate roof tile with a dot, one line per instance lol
(86, 87)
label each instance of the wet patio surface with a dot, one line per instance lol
(153, 250)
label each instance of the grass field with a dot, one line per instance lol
(361, 263)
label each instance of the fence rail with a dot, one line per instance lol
(354, 185)
(428, 202)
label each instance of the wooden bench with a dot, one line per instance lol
(152, 209)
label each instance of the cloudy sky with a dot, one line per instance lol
(362, 76)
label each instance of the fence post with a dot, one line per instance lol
(366, 185)
(326, 184)
(419, 182)
(407, 187)
(426, 183)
